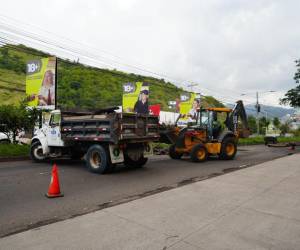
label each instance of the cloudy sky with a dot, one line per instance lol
(227, 47)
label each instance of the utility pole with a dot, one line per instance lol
(192, 85)
(257, 113)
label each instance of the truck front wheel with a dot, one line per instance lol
(97, 159)
(36, 152)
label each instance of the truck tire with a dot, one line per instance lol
(199, 153)
(97, 159)
(134, 163)
(228, 149)
(36, 152)
(173, 154)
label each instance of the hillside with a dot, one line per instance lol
(271, 111)
(80, 85)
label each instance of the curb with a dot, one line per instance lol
(17, 158)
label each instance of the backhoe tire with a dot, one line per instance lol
(173, 154)
(228, 149)
(36, 152)
(199, 153)
(97, 159)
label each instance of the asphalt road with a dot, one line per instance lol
(23, 185)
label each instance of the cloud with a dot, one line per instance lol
(228, 47)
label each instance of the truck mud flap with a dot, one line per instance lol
(116, 154)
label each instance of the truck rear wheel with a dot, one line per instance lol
(134, 156)
(228, 149)
(97, 159)
(135, 163)
(36, 152)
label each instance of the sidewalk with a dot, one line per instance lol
(253, 208)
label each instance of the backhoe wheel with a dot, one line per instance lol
(36, 152)
(228, 149)
(199, 153)
(97, 159)
(173, 154)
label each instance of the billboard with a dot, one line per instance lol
(136, 97)
(41, 83)
(189, 103)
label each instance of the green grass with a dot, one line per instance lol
(161, 145)
(10, 150)
(251, 140)
(10, 79)
(289, 139)
(260, 140)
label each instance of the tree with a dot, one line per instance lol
(292, 97)
(252, 124)
(284, 128)
(276, 122)
(263, 124)
(15, 118)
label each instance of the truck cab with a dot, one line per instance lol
(46, 136)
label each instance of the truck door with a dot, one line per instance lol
(53, 133)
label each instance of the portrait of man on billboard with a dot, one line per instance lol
(136, 97)
(141, 106)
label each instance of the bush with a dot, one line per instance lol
(15, 118)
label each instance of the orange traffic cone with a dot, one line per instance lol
(54, 190)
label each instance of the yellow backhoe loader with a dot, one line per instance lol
(208, 135)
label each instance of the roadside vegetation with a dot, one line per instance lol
(13, 150)
(260, 140)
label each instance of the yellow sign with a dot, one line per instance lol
(135, 97)
(40, 83)
(189, 103)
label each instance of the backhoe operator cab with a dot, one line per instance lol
(215, 132)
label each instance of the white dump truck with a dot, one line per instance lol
(104, 138)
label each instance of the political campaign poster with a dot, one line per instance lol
(41, 83)
(189, 103)
(136, 97)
